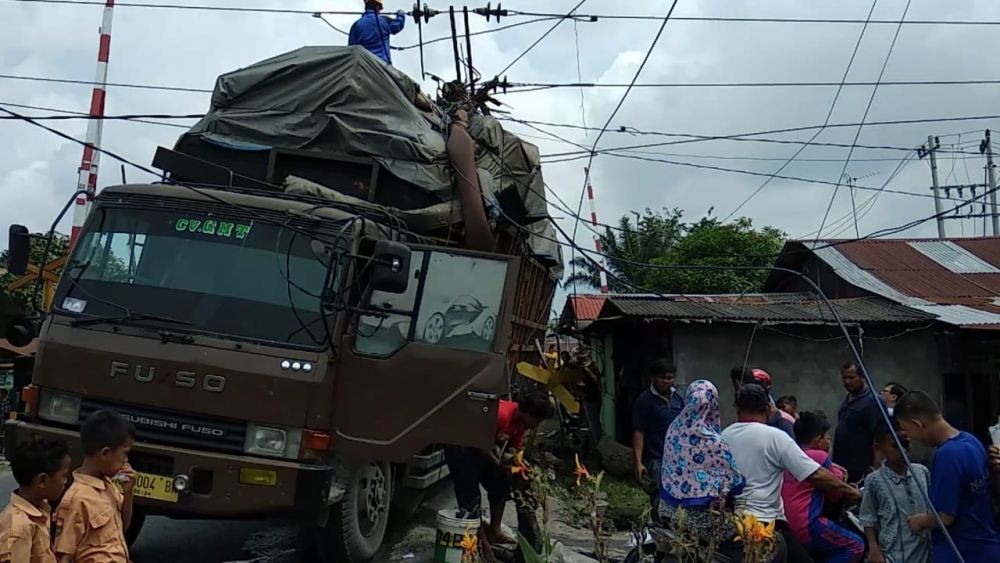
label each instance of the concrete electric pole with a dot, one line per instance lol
(929, 150)
(986, 147)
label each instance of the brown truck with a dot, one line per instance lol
(285, 350)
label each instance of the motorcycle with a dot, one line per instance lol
(658, 542)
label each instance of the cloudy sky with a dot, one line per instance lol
(190, 48)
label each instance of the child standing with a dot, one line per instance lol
(41, 469)
(820, 536)
(960, 484)
(892, 495)
(93, 516)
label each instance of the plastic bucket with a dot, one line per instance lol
(450, 532)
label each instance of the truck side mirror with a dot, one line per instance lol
(20, 333)
(18, 249)
(391, 267)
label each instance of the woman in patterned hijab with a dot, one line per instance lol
(698, 466)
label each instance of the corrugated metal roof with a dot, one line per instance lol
(800, 308)
(957, 280)
(953, 258)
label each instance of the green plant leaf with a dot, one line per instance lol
(530, 555)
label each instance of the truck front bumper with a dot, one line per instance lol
(299, 489)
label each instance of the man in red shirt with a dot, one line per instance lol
(472, 467)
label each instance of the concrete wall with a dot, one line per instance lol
(808, 369)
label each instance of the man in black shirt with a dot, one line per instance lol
(856, 421)
(654, 410)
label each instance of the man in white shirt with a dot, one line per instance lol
(763, 453)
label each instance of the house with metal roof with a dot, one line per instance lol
(956, 281)
(795, 336)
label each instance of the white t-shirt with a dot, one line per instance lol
(763, 453)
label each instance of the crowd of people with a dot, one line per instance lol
(92, 515)
(781, 466)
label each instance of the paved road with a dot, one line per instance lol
(164, 540)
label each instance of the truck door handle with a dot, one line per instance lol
(477, 396)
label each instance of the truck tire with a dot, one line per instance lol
(138, 519)
(357, 524)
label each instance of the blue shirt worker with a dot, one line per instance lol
(372, 30)
(960, 484)
(654, 410)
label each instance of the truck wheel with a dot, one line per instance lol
(138, 519)
(358, 523)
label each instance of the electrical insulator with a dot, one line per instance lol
(488, 11)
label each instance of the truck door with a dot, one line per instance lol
(427, 366)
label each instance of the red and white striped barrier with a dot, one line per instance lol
(90, 163)
(597, 237)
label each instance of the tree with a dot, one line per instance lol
(670, 242)
(649, 237)
(23, 297)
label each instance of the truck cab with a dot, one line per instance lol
(276, 355)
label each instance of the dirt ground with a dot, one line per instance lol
(415, 543)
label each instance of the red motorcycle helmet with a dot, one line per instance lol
(763, 378)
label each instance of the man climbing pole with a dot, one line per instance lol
(372, 30)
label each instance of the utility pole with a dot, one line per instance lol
(986, 146)
(929, 150)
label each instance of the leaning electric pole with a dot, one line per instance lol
(929, 150)
(986, 147)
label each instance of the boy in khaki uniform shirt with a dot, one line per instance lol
(95, 512)
(41, 469)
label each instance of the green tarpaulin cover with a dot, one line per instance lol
(345, 100)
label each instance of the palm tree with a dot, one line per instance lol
(650, 236)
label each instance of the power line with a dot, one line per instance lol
(538, 86)
(148, 117)
(767, 174)
(857, 135)
(621, 102)
(826, 121)
(691, 138)
(87, 116)
(562, 18)
(322, 18)
(743, 136)
(727, 19)
(588, 18)
(114, 84)
(194, 7)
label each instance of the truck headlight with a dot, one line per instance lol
(60, 407)
(273, 441)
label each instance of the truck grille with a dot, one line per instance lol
(176, 429)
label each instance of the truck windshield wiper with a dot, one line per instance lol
(119, 319)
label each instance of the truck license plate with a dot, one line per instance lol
(156, 487)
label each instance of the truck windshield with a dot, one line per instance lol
(242, 278)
